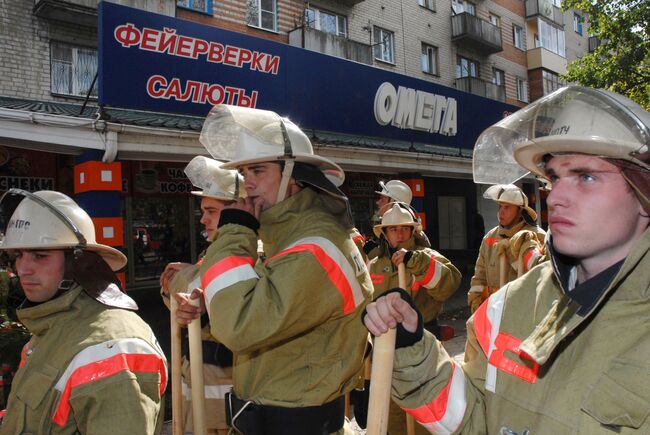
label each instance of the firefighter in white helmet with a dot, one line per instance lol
(219, 188)
(292, 321)
(431, 278)
(517, 238)
(566, 347)
(92, 364)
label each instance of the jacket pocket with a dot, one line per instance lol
(33, 394)
(621, 396)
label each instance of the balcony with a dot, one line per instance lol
(540, 57)
(594, 43)
(348, 3)
(546, 9)
(472, 31)
(327, 43)
(480, 87)
(79, 12)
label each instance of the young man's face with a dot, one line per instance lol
(593, 214)
(210, 213)
(262, 182)
(508, 214)
(40, 273)
(397, 234)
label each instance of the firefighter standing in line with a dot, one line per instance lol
(293, 321)
(92, 365)
(431, 277)
(517, 237)
(566, 347)
(219, 187)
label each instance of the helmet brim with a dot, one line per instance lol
(113, 257)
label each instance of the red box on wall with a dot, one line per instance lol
(416, 185)
(109, 231)
(94, 175)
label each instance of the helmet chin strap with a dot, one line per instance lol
(284, 182)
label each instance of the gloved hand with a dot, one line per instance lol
(369, 246)
(523, 241)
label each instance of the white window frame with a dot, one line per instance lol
(522, 90)
(428, 4)
(429, 59)
(518, 36)
(472, 67)
(255, 13)
(383, 45)
(460, 6)
(341, 21)
(577, 23)
(75, 86)
(191, 4)
(495, 20)
(551, 82)
(496, 72)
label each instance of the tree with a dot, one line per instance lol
(621, 63)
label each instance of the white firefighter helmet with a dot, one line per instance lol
(214, 181)
(399, 215)
(573, 119)
(396, 190)
(510, 194)
(51, 220)
(242, 136)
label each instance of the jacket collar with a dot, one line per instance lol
(39, 318)
(509, 232)
(566, 313)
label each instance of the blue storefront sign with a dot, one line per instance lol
(154, 62)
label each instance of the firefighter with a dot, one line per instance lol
(517, 237)
(92, 365)
(292, 321)
(566, 347)
(219, 187)
(432, 278)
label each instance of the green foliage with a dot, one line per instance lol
(621, 63)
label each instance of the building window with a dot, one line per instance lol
(577, 23)
(498, 77)
(263, 14)
(204, 6)
(551, 37)
(429, 4)
(327, 22)
(73, 69)
(429, 59)
(522, 90)
(518, 36)
(460, 6)
(495, 20)
(384, 45)
(551, 82)
(466, 68)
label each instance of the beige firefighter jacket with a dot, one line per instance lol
(431, 278)
(486, 271)
(534, 365)
(292, 321)
(88, 369)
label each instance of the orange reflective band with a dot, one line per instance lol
(104, 368)
(222, 266)
(482, 327)
(530, 256)
(332, 270)
(377, 278)
(491, 241)
(23, 353)
(431, 278)
(506, 342)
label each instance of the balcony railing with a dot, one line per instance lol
(471, 30)
(545, 8)
(327, 43)
(348, 3)
(480, 87)
(80, 12)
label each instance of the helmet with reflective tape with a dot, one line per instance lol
(243, 136)
(399, 215)
(396, 190)
(35, 225)
(510, 194)
(214, 181)
(571, 120)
